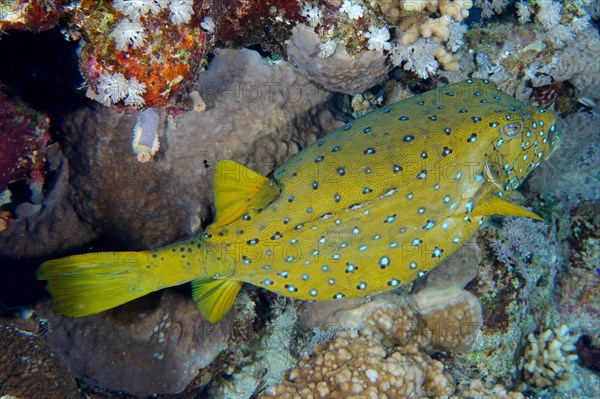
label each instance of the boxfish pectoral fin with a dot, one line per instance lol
(215, 297)
(493, 205)
(238, 190)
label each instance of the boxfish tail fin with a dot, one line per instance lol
(215, 297)
(82, 285)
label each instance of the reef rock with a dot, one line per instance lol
(142, 348)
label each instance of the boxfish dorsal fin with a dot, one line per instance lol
(494, 205)
(215, 297)
(239, 189)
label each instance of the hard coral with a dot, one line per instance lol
(142, 349)
(550, 357)
(355, 366)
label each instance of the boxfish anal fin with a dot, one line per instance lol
(215, 297)
(238, 190)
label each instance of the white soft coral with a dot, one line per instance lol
(128, 33)
(111, 88)
(378, 38)
(181, 11)
(135, 90)
(114, 87)
(134, 9)
(354, 11)
(418, 57)
(313, 15)
(549, 14)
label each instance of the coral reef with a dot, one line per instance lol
(34, 15)
(441, 340)
(552, 45)
(357, 366)
(550, 358)
(138, 53)
(23, 144)
(267, 359)
(387, 351)
(338, 71)
(266, 23)
(507, 292)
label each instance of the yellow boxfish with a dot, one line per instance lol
(365, 209)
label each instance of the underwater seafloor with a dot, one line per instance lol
(112, 115)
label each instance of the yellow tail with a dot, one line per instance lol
(86, 284)
(91, 283)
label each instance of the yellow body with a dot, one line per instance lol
(363, 210)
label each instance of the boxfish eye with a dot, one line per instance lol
(512, 130)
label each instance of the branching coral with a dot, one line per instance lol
(550, 357)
